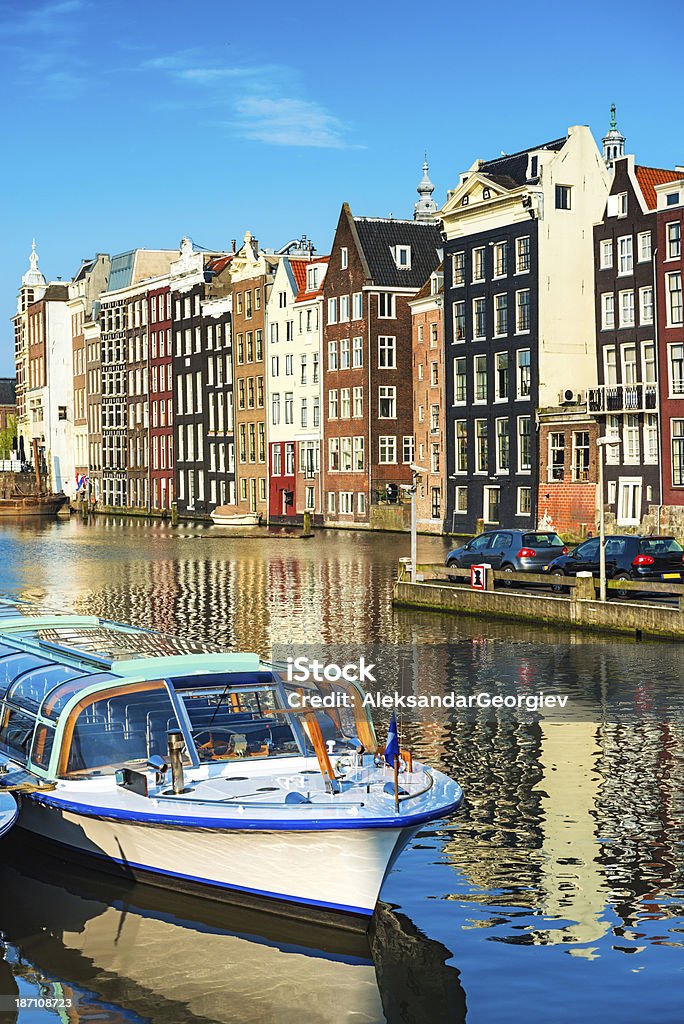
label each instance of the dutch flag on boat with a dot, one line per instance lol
(81, 480)
(392, 745)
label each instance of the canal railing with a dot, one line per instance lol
(510, 595)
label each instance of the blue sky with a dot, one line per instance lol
(132, 123)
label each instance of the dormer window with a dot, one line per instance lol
(312, 279)
(533, 169)
(402, 257)
(672, 198)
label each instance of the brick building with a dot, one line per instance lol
(160, 396)
(568, 471)
(377, 265)
(428, 401)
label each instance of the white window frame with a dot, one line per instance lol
(606, 253)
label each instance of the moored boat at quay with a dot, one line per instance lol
(190, 768)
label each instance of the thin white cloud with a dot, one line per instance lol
(16, 21)
(289, 122)
(262, 100)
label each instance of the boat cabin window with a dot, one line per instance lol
(115, 727)
(237, 722)
(16, 733)
(13, 665)
(31, 687)
(346, 723)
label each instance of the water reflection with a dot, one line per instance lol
(563, 878)
(125, 951)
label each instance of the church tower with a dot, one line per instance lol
(426, 208)
(613, 142)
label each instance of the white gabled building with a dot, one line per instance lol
(294, 387)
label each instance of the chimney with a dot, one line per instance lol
(232, 242)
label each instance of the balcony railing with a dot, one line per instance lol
(623, 398)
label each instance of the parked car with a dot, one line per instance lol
(509, 550)
(657, 559)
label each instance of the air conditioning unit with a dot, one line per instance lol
(569, 397)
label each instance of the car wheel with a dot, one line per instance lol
(454, 564)
(621, 576)
(556, 587)
(508, 569)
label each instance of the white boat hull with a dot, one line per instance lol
(223, 517)
(8, 813)
(326, 870)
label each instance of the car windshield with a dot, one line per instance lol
(660, 546)
(542, 540)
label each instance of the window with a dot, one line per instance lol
(386, 306)
(387, 353)
(500, 314)
(332, 355)
(626, 309)
(676, 363)
(434, 375)
(522, 311)
(610, 366)
(674, 298)
(345, 403)
(358, 463)
(630, 439)
(672, 198)
(289, 365)
(522, 254)
(674, 240)
(479, 318)
(646, 305)
(524, 444)
(580, 455)
(490, 510)
(346, 454)
(357, 352)
(629, 364)
(459, 320)
(387, 449)
(502, 446)
(556, 464)
(333, 454)
(333, 404)
(344, 309)
(677, 427)
(606, 253)
(648, 371)
(402, 257)
(478, 264)
(277, 467)
(621, 204)
(332, 311)
(461, 461)
(458, 268)
(612, 452)
(304, 413)
(345, 354)
(460, 381)
(461, 500)
(357, 395)
(644, 246)
(434, 419)
(563, 197)
(500, 259)
(629, 502)
(524, 373)
(311, 279)
(346, 503)
(344, 257)
(434, 457)
(387, 403)
(357, 306)
(524, 501)
(331, 501)
(625, 255)
(408, 449)
(651, 438)
(480, 369)
(481, 447)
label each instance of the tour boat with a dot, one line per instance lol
(201, 770)
(225, 515)
(8, 812)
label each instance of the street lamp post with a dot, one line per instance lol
(417, 472)
(601, 443)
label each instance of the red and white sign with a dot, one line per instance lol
(478, 577)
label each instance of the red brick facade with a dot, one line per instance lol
(568, 473)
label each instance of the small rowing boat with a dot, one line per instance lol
(225, 515)
(202, 770)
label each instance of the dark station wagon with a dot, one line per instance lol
(653, 559)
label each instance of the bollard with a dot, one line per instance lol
(176, 745)
(405, 571)
(307, 531)
(174, 513)
(585, 589)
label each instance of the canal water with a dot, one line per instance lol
(555, 896)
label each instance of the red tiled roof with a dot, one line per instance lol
(649, 177)
(300, 277)
(219, 263)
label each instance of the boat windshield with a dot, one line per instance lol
(238, 721)
(117, 727)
